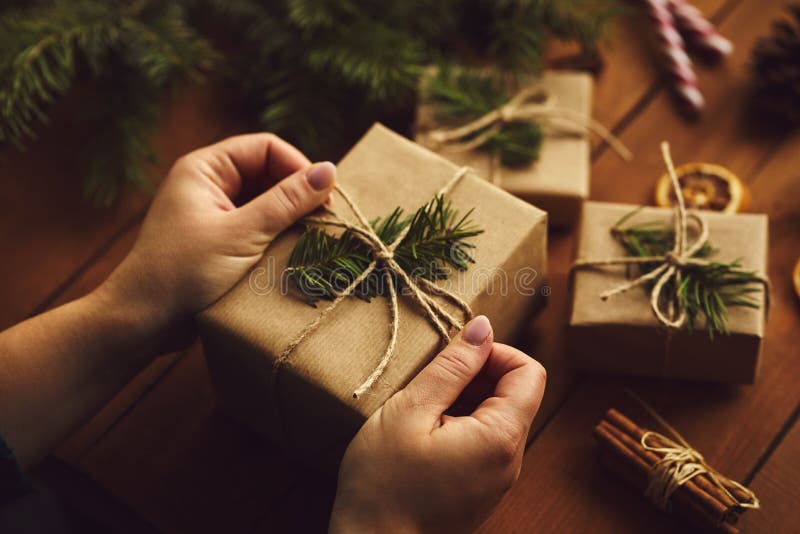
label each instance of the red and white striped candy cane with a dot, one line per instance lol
(677, 62)
(698, 30)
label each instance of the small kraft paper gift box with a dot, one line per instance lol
(612, 324)
(304, 386)
(557, 179)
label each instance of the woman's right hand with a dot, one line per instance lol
(417, 466)
(201, 234)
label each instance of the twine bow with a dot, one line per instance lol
(680, 463)
(420, 289)
(672, 264)
(531, 104)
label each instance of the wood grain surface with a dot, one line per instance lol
(161, 446)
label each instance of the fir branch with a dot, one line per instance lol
(163, 48)
(517, 28)
(304, 62)
(706, 291)
(147, 44)
(459, 97)
(583, 21)
(38, 63)
(122, 122)
(300, 65)
(383, 61)
(313, 14)
(291, 100)
(322, 265)
(517, 36)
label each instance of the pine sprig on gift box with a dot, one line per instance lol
(321, 265)
(299, 67)
(462, 96)
(706, 291)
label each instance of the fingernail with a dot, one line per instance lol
(477, 330)
(321, 175)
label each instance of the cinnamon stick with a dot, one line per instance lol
(714, 506)
(688, 511)
(635, 431)
(635, 469)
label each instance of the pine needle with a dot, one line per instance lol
(705, 291)
(459, 97)
(147, 45)
(300, 67)
(322, 265)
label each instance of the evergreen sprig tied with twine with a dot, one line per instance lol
(321, 265)
(466, 95)
(706, 290)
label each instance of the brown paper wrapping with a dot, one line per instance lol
(558, 182)
(317, 414)
(621, 334)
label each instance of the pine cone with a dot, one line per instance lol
(776, 68)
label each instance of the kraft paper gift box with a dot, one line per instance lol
(622, 334)
(311, 409)
(558, 181)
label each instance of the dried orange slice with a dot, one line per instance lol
(796, 277)
(705, 186)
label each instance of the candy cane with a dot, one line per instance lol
(678, 64)
(698, 30)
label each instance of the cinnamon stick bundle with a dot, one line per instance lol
(699, 500)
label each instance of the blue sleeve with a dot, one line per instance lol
(13, 482)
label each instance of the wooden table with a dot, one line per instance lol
(161, 446)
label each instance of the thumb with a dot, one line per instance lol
(440, 383)
(290, 199)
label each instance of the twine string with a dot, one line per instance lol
(669, 311)
(680, 463)
(531, 104)
(420, 290)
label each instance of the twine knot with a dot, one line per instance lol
(507, 113)
(674, 259)
(420, 289)
(532, 104)
(384, 254)
(668, 308)
(680, 463)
